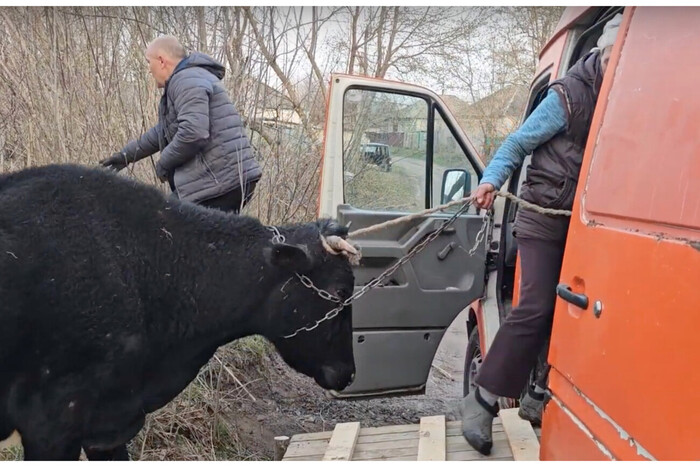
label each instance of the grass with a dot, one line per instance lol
(13, 453)
(195, 425)
(400, 153)
(373, 189)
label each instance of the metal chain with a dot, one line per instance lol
(388, 272)
(321, 293)
(277, 237)
(330, 315)
(480, 234)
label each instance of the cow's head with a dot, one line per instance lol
(317, 251)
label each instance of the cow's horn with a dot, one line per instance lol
(336, 245)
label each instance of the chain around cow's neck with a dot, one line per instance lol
(278, 238)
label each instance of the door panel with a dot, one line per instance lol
(398, 325)
(427, 290)
(393, 361)
(633, 355)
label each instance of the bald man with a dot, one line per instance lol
(205, 154)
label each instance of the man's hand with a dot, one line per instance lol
(161, 173)
(484, 196)
(116, 161)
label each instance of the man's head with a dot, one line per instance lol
(163, 54)
(607, 39)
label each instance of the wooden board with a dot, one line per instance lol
(342, 442)
(521, 437)
(407, 442)
(431, 439)
(453, 427)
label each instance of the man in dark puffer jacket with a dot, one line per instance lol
(205, 154)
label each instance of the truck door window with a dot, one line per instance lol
(384, 150)
(447, 156)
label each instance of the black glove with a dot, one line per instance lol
(161, 173)
(116, 161)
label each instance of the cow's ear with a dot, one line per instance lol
(290, 257)
(329, 227)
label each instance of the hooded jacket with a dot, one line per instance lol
(205, 151)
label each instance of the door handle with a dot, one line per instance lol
(565, 293)
(442, 254)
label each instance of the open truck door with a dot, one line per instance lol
(399, 324)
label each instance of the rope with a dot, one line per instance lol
(408, 218)
(533, 207)
(401, 220)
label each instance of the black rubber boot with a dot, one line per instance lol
(477, 421)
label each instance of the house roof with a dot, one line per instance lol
(457, 106)
(509, 101)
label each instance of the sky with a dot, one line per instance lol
(337, 29)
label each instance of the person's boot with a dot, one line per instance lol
(532, 406)
(477, 421)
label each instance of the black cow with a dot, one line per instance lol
(113, 297)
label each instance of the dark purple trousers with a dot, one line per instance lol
(526, 329)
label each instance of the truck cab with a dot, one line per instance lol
(623, 355)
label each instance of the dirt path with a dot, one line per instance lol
(450, 358)
(415, 168)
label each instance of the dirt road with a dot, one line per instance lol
(450, 358)
(415, 169)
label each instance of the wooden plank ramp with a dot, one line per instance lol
(433, 439)
(342, 442)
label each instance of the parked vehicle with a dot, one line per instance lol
(378, 154)
(624, 352)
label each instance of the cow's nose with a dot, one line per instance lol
(330, 375)
(334, 378)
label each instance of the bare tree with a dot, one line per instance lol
(495, 58)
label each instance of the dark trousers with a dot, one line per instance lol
(525, 330)
(233, 201)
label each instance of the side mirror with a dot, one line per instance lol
(455, 184)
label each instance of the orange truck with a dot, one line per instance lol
(624, 356)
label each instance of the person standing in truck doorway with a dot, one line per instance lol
(555, 133)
